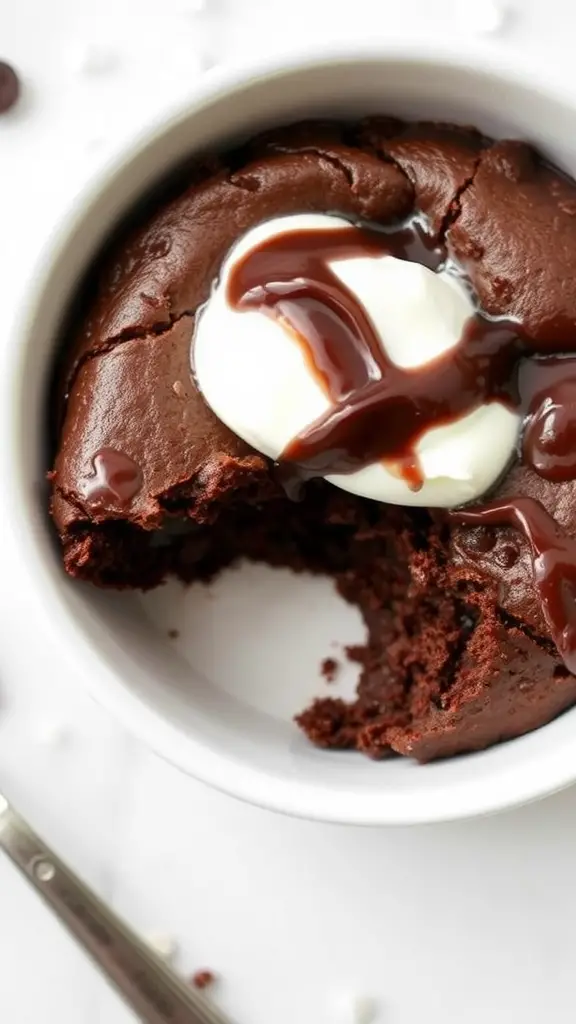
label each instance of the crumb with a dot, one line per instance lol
(173, 634)
(356, 652)
(329, 669)
(178, 389)
(203, 979)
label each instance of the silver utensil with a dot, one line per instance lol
(154, 992)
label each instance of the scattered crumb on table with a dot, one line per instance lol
(202, 979)
(329, 669)
(173, 634)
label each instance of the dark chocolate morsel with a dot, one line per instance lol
(9, 87)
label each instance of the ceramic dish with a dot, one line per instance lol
(218, 710)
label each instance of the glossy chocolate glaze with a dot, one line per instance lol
(548, 395)
(553, 560)
(115, 479)
(379, 410)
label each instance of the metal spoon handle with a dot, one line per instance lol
(155, 993)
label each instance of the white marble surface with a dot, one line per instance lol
(454, 924)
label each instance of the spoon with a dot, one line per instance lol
(154, 992)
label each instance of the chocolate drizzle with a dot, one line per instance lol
(379, 411)
(553, 563)
(115, 480)
(548, 394)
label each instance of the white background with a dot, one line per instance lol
(455, 924)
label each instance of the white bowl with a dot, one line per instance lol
(226, 718)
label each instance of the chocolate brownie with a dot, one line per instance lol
(462, 650)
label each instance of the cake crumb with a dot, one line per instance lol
(173, 634)
(203, 979)
(356, 653)
(329, 669)
(178, 389)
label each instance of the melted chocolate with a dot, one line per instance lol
(548, 395)
(553, 563)
(378, 409)
(386, 418)
(116, 479)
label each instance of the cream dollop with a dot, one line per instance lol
(253, 373)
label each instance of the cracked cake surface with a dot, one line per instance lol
(459, 655)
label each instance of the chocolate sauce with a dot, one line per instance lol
(378, 409)
(548, 396)
(553, 563)
(116, 479)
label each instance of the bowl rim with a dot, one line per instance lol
(186, 752)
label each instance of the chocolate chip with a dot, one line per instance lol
(9, 87)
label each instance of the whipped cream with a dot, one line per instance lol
(253, 372)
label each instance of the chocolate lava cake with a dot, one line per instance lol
(468, 613)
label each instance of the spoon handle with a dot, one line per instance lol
(154, 992)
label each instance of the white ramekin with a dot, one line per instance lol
(125, 666)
